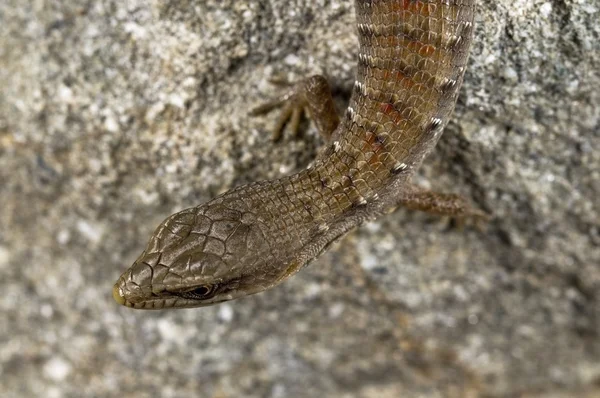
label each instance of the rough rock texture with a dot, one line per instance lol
(114, 114)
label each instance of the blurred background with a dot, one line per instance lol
(115, 114)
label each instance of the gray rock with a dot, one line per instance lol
(114, 114)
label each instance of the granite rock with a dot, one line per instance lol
(114, 114)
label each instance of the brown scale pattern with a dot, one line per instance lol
(411, 61)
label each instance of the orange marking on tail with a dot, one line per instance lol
(424, 50)
(427, 50)
(387, 108)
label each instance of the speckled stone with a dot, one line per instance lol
(114, 114)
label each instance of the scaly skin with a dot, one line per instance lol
(412, 59)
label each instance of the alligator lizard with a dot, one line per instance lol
(411, 61)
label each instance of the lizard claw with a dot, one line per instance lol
(292, 105)
(311, 97)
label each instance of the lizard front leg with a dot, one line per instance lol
(312, 95)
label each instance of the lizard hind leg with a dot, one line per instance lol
(312, 95)
(442, 204)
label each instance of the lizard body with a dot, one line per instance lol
(411, 61)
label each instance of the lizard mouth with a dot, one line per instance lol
(155, 303)
(158, 303)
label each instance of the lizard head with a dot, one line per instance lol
(202, 256)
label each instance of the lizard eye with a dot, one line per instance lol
(200, 292)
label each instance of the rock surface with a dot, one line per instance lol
(114, 114)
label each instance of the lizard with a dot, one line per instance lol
(411, 62)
